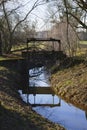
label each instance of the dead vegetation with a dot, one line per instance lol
(71, 84)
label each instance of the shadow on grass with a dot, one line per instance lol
(10, 120)
(67, 63)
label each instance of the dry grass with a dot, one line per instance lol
(71, 84)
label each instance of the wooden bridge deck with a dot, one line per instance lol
(42, 39)
(38, 90)
(35, 55)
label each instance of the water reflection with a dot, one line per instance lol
(65, 114)
(39, 84)
(40, 100)
(68, 116)
(38, 78)
(86, 114)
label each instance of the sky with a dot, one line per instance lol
(38, 15)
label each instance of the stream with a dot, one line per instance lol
(65, 114)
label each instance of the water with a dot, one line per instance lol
(66, 115)
(39, 77)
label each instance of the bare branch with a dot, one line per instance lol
(13, 10)
(6, 17)
(84, 25)
(36, 4)
(82, 5)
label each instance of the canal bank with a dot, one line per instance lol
(70, 83)
(14, 113)
(49, 105)
(19, 114)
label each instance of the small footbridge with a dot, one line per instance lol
(42, 56)
(35, 57)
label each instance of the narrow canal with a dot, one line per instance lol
(65, 114)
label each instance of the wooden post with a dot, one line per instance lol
(27, 49)
(34, 98)
(59, 45)
(0, 44)
(27, 98)
(53, 46)
(53, 99)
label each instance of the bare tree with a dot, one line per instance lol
(73, 8)
(9, 26)
(64, 27)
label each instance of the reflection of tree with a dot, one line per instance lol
(38, 74)
(36, 71)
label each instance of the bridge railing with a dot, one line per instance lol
(44, 40)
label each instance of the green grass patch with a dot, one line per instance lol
(16, 47)
(2, 58)
(30, 45)
(83, 42)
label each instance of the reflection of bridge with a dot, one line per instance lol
(41, 90)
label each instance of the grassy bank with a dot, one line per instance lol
(14, 113)
(83, 42)
(70, 83)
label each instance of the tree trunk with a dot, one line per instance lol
(0, 45)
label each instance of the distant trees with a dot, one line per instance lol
(76, 9)
(67, 16)
(13, 24)
(59, 31)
